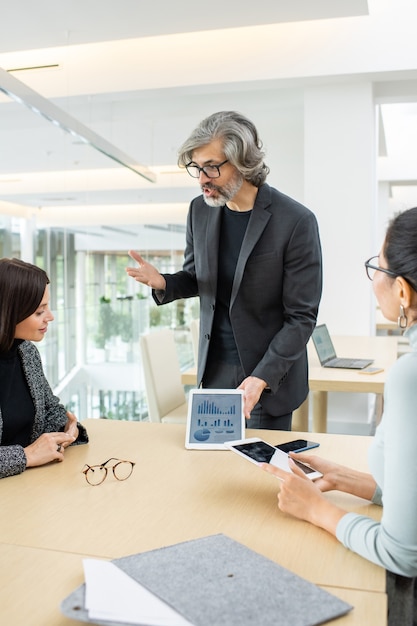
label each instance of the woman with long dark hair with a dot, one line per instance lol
(35, 428)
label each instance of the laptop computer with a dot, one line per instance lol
(327, 353)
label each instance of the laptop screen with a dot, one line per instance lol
(323, 343)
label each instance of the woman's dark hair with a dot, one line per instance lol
(241, 144)
(400, 247)
(22, 286)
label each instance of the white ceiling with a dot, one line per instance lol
(141, 75)
(47, 23)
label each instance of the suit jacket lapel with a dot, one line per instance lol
(257, 223)
(211, 247)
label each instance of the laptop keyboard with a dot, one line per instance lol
(346, 362)
(354, 364)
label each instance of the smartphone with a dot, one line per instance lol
(371, 370)
(298, 445)
(258, 451)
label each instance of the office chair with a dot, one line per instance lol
(165, 393)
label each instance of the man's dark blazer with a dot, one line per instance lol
(275, 294)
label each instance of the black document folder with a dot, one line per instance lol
(216, 581)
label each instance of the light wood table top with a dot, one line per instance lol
(382, 349)
(189, 376)
(175, 495)
(54, 518)
(34, 582)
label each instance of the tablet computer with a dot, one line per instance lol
(258, 451)
(214, 417)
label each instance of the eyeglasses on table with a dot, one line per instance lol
(96, 474)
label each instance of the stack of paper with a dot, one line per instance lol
(112, 595)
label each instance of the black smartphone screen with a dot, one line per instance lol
(297, 445)
(258, 451)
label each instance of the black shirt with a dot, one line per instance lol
(232, 232)
(17, 408)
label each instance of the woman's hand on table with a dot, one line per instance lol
(48, 447)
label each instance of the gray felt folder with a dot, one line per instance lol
(215, 581)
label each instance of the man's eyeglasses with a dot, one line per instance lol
(96, 474)
(211, 171)
(371, 268)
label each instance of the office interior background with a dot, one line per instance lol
(97, 96)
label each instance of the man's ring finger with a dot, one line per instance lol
(59, 447)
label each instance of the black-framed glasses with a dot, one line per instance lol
(371, 268)
(96, 474)
(211, 171)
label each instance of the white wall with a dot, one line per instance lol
(340, 186)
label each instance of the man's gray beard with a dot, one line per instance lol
(227, 192)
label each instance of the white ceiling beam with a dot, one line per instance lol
(21, 93)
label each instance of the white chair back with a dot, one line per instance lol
(165, 393)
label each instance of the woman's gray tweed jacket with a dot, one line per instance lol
(50, 415)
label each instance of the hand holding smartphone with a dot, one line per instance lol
(258, 451)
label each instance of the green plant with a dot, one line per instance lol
(155, 314)
(122, 405)
(124, 327)
(105, 322)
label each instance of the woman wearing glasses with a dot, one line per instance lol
(35, 428)
(392, 543)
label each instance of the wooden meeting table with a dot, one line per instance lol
(383, 350)
(52, 517)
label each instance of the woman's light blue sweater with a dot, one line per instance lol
(392, 543)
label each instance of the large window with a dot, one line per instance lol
(9, 237)
(54, 251)
(91, 354)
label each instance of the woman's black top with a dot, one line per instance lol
(17, 408)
